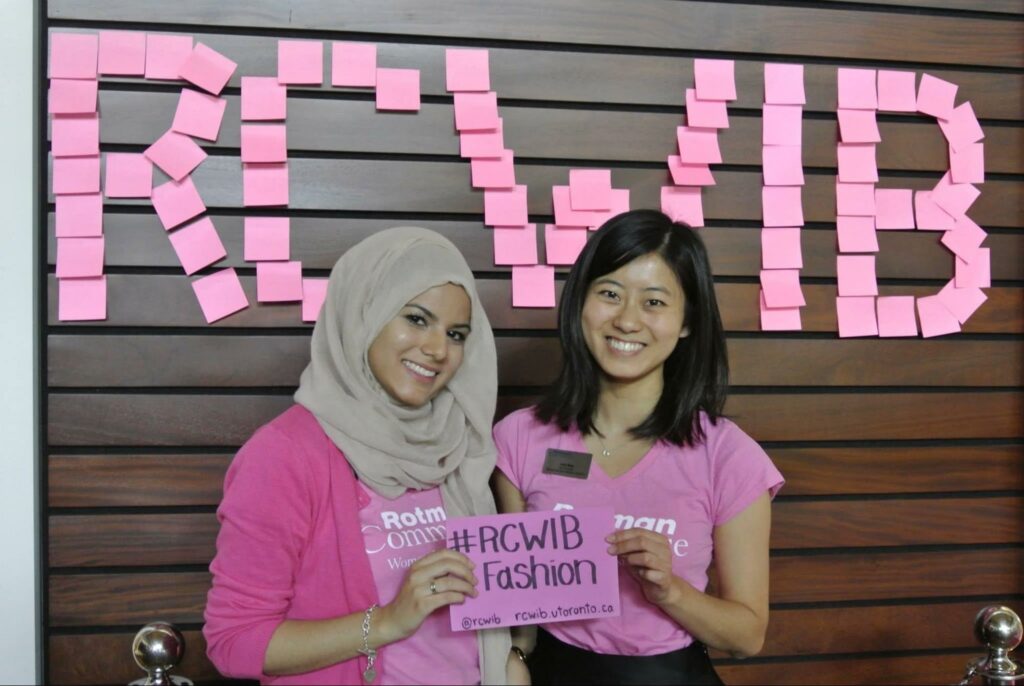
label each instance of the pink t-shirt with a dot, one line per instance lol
(683, 493)
(397, 533)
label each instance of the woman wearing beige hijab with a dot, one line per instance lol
(330, 564)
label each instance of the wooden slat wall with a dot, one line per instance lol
(904, 458)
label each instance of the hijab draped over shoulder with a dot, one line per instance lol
(392, 447)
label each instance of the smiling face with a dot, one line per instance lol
(418, 352)
(632, 319)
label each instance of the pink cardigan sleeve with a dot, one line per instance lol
(265, 522)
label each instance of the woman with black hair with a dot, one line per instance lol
(636, 418)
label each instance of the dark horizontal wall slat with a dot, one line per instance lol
(115, 361)
(106, 658)
(900, 469)
(141, 480)
(601, 77)
(138, 240)
(178, 539)
(369, 185)
(120, 599)
(135, 480)
(1002, 6)
(924, 669)
(346, 126)
(228, 420)
(641, 23)
(168, 301)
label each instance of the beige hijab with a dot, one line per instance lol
(391, 447)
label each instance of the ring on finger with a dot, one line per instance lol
(433, 586)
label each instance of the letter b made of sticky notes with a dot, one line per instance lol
(536, 567)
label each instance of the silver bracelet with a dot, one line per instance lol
(369, 674)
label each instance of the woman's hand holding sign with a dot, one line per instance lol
(444, 577)
(649, 560)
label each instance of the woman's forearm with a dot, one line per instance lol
(726, 625)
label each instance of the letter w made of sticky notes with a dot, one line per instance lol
(536, 567)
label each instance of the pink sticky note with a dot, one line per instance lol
(683, 204)
(784, 84)
(856, 234)
(965, 238)
(207, 68)
(590, 189)
(968, 164)
(962, 129)
(467, 70)
(781, 124)
(475, 144)
(928, 215)
(711, 114)
(79, 257)
(476, 111)
(129, 175)
(165, 55)
(354, 65)
(566, 216)
(562, 245)
(79, 215)
(263, 99)
(857, 163)
(782, 288)
(936, 320)
(176, 202)
(220, 294)
(75, 135)
(278, 281)
(778, 318)
(72, 96)
(300, 62)
(961, 302)
(783, 165)
(780, 249)
(122, 53)
(782, 206)
(264, 143)
(620, 203)
(896, 316)
(715, 79)
(689, 174)
(698, 146)
(197, 245)
(858, 126)
(505, 206)
(81, 300)
(936, 97)
(76, 174)
(264, 184)
(894, 208)
(314, 293)
(73, 55)
(493, 172)
(856, 317)
(176, 154)
(515, 245)
(897, 92)
(526, 540)
(398, 89)
(267, 238)
(974, 271)
(857, 89)
(856, 274)
(855, 199)
(533, 286)
(199, 114)
(954, 198)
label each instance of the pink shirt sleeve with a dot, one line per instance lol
(265, 519)
(510, 457)
(741, 470)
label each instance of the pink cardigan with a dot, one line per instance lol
(289, 547)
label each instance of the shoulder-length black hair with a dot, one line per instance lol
(696, 373)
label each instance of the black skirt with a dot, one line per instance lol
(554, 663)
